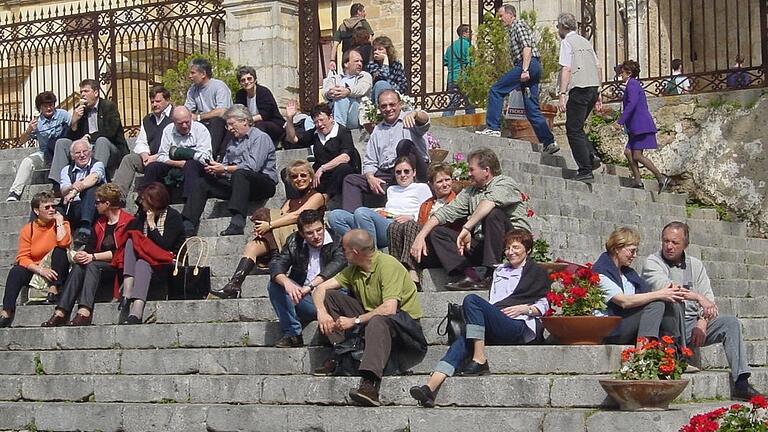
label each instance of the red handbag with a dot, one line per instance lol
(148, 250)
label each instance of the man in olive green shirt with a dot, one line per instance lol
(383, 300)
(492, 205)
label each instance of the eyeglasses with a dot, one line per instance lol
(631, 250)
(403, 172)
(97, 202)
(383, 106)
(299, 175)
(48, 206)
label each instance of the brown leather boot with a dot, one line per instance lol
(232, 288)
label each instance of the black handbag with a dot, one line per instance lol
(454, 323)
(190, 282)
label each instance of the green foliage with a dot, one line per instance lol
(489, 60)
(595, 123)
(39, 370)
(548, 45)
(694, 203)
(31, 426)
(177, 81)
(540, 251)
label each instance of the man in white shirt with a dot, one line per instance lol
(148, 141)
(183, 140)
(78, 182)
(678, 83)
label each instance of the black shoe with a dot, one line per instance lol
(464, 284)
(664, 184)
(6, 321)
(424, 396)
(13, 196)
(133, 320)
(232, 288)
(484, 284)
(744, 393)
(476, 369)
(586, 177)
(327, 369)
(81, 239)
(638, 186)
(232, 230)
(367, 393)
(596, 162)
(290, 342)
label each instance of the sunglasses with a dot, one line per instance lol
(403, 172)
(300, 175)
(48, 206)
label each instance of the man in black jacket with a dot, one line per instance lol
(308, 258)
(100, 120)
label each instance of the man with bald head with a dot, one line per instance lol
(383, 305)
(78, 191)
(185, 139)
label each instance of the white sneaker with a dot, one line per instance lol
(489, 132)
(552, 148)
(12, 197)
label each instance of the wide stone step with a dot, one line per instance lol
(525, 359)
(192, 417)
(537, 391)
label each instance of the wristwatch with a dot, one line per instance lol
(357, 321)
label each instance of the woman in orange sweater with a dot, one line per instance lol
(48, 233)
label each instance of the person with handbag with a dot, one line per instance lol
(157, 225)
(309, 257)
(272, 227)
(402, 234)
(102, 257)
(47, 236)
(247, 172)
(510, 316)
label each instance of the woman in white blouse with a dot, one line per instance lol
(510, 316)
(404, 200)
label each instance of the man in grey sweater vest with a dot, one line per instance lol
(579, 92)
(703, 324)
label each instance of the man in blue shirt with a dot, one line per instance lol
(49, 126)
(78, 183)
(456, 58)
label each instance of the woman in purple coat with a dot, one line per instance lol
(637, 120)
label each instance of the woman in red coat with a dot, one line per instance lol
(102, 257)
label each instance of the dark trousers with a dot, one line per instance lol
(486, 251)
(272, 129)
(20, 276)
(217, 127)
(242, 187)
(81, 213)
(580, 104)
(653, 320)
(192, 171)
(379, 331)
(82, 284)
(356, 184)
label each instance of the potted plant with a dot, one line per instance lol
(649, 376)
(752, 417)
(576, 304)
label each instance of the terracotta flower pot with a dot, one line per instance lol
(459, 185)
(645, 395)
(521, 129)
(580, 330)
(437, 155)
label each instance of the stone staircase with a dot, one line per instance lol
(209, 365)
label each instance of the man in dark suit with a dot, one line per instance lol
(98, 118)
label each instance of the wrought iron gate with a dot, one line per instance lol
(125, 44)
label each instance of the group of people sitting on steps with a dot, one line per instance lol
(364, 300)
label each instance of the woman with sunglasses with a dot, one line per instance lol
(273, 226)
(102, 257)
(160, 224)
(404, 200)
(644, 312)
(43, 245)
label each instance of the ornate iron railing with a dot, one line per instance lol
(125, 44)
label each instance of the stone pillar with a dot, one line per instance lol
(637, 34)
(264, 34)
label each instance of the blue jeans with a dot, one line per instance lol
(346, 112)
(484, 322)
(379, 87)
(511, 81)
(342, 221)
(290, 315)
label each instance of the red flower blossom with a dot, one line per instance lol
(759, 401)
(687, 352)
(530, 213)
(524, 196)
(667, 339)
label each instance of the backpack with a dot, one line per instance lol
(346, 35)
(671, 87)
